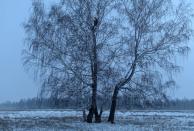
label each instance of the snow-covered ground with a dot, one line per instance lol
(71, 120)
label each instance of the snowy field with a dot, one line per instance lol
(70, 120)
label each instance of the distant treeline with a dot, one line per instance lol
(124, 102)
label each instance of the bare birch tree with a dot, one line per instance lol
(154, 33)
(66, 44)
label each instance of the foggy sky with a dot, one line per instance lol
(16, 83)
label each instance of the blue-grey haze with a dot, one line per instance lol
(15, 83)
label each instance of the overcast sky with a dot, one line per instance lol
(16, 83)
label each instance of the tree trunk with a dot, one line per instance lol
(90, 115)
(113, 105)
(93, 109)
(94, 69)
(116, 90)
(97, 116)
